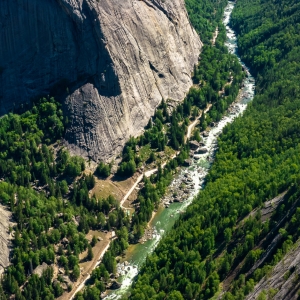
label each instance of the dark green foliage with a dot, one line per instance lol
(94, 241)
(128, 165)
(103, 169)
(90, 254)
(21, 159)
(152, 157)
(258, 158)
(127, 168)
(44, 219)
(205, 15)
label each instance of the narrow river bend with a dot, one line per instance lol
(193, 177)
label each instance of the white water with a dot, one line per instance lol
(196, 172)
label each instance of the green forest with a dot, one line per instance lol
(169, 129)
(205, 16)
(258, 158)
(48, 191)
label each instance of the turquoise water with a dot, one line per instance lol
(165, 217)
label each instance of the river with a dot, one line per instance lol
(189, 181)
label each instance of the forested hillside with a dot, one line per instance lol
(48, 190)
(225, 232)
(217, 70)
(205, 16)
(48, 195)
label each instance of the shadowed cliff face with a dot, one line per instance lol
(114, 61)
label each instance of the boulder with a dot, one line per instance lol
(201, 150)
(40, 269)
(115, 285)
(187, 162)
(194, 145)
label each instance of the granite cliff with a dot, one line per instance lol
(112, 62)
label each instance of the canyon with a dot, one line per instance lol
(109, 62)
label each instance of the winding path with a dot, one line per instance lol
(153, 171)
(82, 284)
(192, 125)
(138, 180)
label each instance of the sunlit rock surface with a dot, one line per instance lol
(112, 62)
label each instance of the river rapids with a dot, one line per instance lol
(189, 181)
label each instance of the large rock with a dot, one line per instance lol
(114, 285)
(282, 278)
(201, 150)
(194, 145)
(111, 61)
(39, 270)
(5, 237)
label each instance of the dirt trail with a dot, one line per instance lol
(97, 258)
(153, 171)
(84, 277)
(192, 125)
(138, 180)
(216, 33)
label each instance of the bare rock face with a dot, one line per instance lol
(283, 279)
(5, 237)
(113, 61)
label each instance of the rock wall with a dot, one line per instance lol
(5, 237)
(112, 61)
(283, 278)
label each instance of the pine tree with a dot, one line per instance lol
(90, 254)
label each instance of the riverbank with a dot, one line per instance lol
(190, 180)
(194, 174)
(164, 218)
(87, 270)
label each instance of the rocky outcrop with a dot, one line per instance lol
(6, 237)
(283, 280)
(112, 61)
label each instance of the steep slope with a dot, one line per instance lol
(112, 60)
(5, 237)
(282, 282)
(213, 248)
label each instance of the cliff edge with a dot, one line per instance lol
(112, 62)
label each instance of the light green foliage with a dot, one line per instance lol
(205, 16)
(196, 135)
(64, 187)
(262, 296)
(45, 219)
(258, 158)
